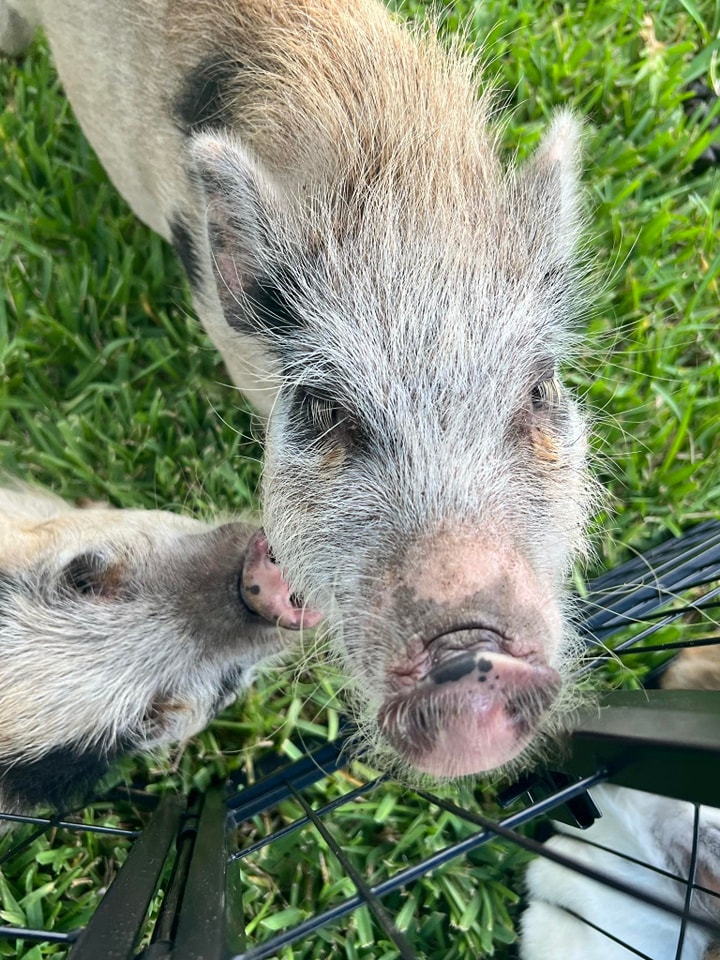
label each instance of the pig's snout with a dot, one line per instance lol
(472, 712)
(470, 677)
(264, 590)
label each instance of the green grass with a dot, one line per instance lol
(108, 389)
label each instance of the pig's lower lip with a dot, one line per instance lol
(471, 713)
(264, 591)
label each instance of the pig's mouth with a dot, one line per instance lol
(265, 592)
(475, 707)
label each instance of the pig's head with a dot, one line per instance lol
(425, 481)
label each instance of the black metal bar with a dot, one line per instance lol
(303, 821)
(693, 550)
(164, 930)
(579, 838)
(698, 606)
(117, 923)
(70, 825)
(651, 580)
(575, 866)
(692, 871)
(660, 741)
(201, 926)
(39, 936)
(272, 789)
(640, 600)
(24, 844)
(658, 648)
(606, 933)
(670, 617)
(361, 885)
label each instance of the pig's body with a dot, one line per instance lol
(395, 304)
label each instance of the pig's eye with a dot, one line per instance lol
(91, 575)
(546, 394)
(322, 414)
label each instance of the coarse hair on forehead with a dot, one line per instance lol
(374, 264)
(354, 173)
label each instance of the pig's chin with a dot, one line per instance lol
(474, 713)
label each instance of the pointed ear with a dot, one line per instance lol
(243, 211)
(551, 184)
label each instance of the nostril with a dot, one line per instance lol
(455, 668)
(297, 601)
(464, 638)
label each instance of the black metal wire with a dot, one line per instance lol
(71, 825)
(373, 902)
(579, 838)
(692, 869)
(659, 574)
(698, 606)
(605, 933)
(287, 937)
(28, 841)
(39, 936)
(661, 647)
(303, 821)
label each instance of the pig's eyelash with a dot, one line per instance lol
(323, 412)
(546, 394)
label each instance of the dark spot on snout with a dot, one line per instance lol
(254, 589)
(184, 247)
(202, 102)
(454, 669)
(484, 666)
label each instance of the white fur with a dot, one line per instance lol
(143, 657)
(655, 830)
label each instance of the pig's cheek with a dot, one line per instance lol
(264, 591)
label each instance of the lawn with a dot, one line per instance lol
(109, 390)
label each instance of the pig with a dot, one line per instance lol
(395, 302)
(121, 630)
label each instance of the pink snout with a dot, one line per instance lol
(473, 671)
(472, 713)
(265, 592)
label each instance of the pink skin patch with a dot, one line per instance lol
(266, 593)
(471, 714)
(468, 679)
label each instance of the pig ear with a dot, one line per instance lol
(242, 205)
(551, 184)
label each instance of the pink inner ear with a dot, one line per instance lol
(241, 200)
(230, 275)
